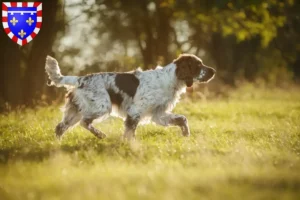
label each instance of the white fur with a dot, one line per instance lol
(157, 94)
(55, 75)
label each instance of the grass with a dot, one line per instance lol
(244, 147)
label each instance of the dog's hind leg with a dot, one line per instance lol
(96, 105)
(70, 118)
(100, 111)
(87, 124)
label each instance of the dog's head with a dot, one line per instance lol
(190, 68)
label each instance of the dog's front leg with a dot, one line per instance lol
(131, 123)
(174, 119)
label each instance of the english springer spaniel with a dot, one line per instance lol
(139, 96)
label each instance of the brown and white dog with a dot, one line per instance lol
(139, 96)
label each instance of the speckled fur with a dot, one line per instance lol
(156, 95)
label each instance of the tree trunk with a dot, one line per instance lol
(22, 73)
(163, 34)
(10, 71)
(34, 81)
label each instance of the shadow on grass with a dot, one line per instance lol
(268, 183)
(157, 143)
(36, 153)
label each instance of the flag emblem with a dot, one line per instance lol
(22, 21)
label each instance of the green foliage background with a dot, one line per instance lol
(243, 40)
(245, 129)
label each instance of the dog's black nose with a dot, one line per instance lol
(210, 72)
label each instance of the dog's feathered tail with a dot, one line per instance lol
(56, 77)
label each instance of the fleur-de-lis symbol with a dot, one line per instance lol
(14, 21)
(22, 33)
(29, 21)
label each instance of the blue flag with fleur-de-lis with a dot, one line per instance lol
(22, 20)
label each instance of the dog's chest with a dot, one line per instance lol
(158, 90)
(168, 99)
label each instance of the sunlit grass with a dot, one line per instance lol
(244, 147)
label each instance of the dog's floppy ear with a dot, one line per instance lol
(186, 68)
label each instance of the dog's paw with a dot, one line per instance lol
(185, 131)
(59, 131)
(58, 137)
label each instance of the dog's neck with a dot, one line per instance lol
(178, 85)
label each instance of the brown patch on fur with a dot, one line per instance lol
(187, 67)
(127, 83)
(115, 98)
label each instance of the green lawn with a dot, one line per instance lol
(246, 146)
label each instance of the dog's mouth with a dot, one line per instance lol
(206, 74)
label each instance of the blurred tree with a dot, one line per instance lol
(288, 38)
(234, 33)
(243, 39)
(146, 22)
(231, 32)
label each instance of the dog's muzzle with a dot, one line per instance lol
(206, 74)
